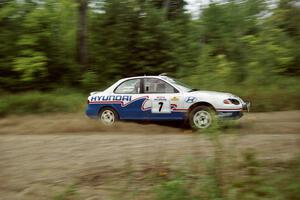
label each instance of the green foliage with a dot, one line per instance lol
(244, 47)
(38, 102)
(249, 55)
(38, 44)
(90, 81)
(30, 64)
(137, 43)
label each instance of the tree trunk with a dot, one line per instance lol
(166, 6)
(81, 35)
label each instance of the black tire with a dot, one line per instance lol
(206, 117)
(108, 116)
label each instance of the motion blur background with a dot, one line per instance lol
(69, 48)
(54, 52)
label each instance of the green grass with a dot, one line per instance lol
(253, 181)
(217, 177)
(41, 102)
(70, 193)
(223, 177)
(209, 179)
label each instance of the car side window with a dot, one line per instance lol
(155, 85)
(131, 86)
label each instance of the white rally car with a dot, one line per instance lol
(162, 98)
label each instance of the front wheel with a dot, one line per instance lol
(108, 116)
(201, 117)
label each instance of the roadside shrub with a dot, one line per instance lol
(90, 81)
(39, 102)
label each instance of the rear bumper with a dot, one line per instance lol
(92, 110)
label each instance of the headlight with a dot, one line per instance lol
(231, 101)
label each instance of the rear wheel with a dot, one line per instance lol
(108, 116)
(201, 117)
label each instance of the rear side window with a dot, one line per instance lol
(154, 85)
(129, 87)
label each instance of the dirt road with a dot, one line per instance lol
(41, 155)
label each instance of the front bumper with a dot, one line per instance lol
(246, 106)
(235, 114)
(230, 115)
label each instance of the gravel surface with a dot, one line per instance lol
(40, 155)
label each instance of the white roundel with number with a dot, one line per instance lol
(161, 105)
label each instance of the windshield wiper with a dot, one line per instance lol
(194, 89)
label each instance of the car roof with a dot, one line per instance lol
(134, 77)
(161, 77)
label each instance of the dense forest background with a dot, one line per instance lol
(250, 47)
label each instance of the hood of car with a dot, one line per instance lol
(212, 93)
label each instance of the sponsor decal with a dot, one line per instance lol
(146, 105)
(123, 100)
(190, 99)
(174, 99)
(173, 106)
(111, 98)
(160, 98)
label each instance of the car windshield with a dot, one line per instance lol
(182, 86)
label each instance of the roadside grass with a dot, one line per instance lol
(70, 193)
(253, 180)
(219, 177)
(41, 102)
(224, 175)
(272, 98)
